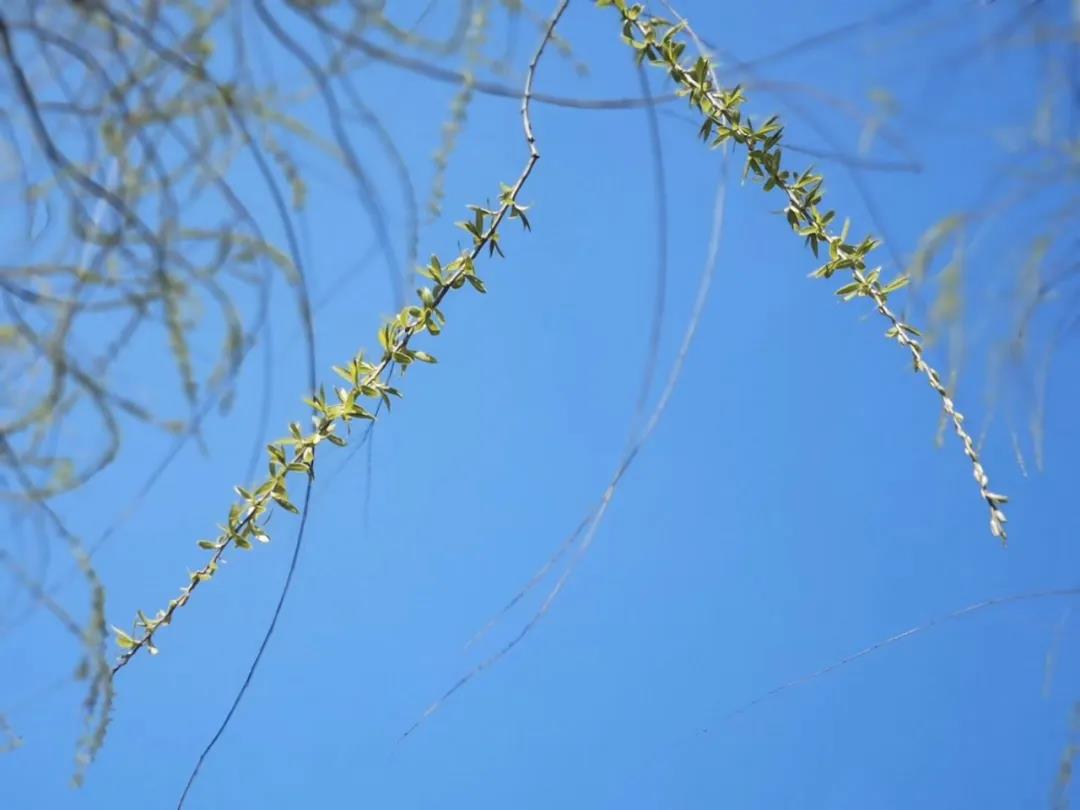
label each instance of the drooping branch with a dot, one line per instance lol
(661, 43)
(365, 382)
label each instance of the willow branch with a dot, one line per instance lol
(366, 381)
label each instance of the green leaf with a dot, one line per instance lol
(285, 504)
(897, 283)
(123, 640)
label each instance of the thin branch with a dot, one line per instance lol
(365, 377)
(878, 646)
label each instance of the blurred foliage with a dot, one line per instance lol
(1012, 253)
(125, 134)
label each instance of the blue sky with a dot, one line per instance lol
(792, 507)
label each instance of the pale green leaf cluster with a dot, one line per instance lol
(662, 44)
(364, 387)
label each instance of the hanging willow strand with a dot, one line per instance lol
(365, 380)
(660, 43)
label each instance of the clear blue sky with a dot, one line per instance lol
(791, 509)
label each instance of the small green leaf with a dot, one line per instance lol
(285, 504)
(897, 283)
(123, 640)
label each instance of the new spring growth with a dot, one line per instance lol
(365, 379)
(364, 385)
(661, 44)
